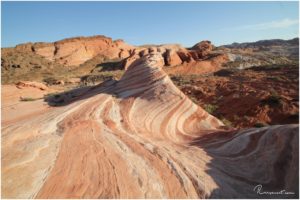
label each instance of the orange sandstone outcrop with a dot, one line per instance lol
(24, 84)
(203, 48)
(172, 58)
(175, 55)
(75, 51)
(141, 137)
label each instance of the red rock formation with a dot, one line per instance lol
(75, 51)
(203, 48)
(133, 57)
(185, 56)
(141, 137)
(172, 58)
(175, 55)
(24, 84)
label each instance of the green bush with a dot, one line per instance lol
(274, 99)
(28, 99)
(226, 121)
(210, 108)
(260, 124)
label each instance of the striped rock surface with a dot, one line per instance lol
(141, 137)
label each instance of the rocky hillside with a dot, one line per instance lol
(75, 51)
(264, 52)
(82, 56)
(264, 43)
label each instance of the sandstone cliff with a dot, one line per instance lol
(75, 51)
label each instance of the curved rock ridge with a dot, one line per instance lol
(141, 137)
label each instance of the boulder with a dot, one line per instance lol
(171, 58)
(73, 80)
(60, 82)
(24, 84)
(203, 48)
(185, 56)
(152, 50)
(124, 53)
(143, 52)
(195, 55)
(128, 61)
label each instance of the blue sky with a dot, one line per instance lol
(149, 22)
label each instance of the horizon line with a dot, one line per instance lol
(89, 36)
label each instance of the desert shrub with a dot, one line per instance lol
(247, 118)
(267, 67)
(233, 64)
(194, 99)
(236, 118)
(92, 79)
(260, 124)
(224, 72)
(273, 99)
(210, 108)
(28, 99)
(55, 95)
(50, 81)
(111, 65)
(181, 80)
(226, 121)
(274, 78)
(294, 115)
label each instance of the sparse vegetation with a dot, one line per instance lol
(295, 115)
(275, 78)
(29, 99)
(28, 66)
(236, 118)
(50, 81)
(224, 72)
(226, 121)
(92, 79)
(260, 124)
(273, 100)
(210, 108)
(194, 99)
(181, 80)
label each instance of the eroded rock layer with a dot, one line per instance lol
(141, 137)
(75, 51)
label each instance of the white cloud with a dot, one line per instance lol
(280, 24)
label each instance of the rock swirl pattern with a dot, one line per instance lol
(141, 137)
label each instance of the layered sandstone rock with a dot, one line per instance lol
(141, 137)
(203, 48)
(75, 51)
(172, 58)
(133, 57)
(175, 55)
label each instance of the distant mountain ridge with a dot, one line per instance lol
(260, 43)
